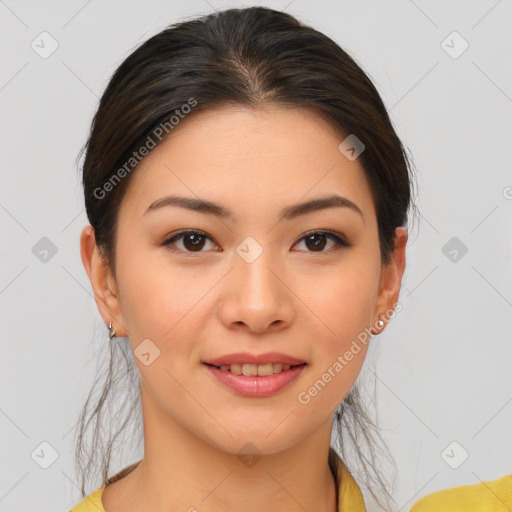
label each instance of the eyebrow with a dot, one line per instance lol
(287, 213)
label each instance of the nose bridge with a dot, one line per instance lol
(256, 293)
(255, 269)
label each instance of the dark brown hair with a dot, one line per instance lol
(255, 57)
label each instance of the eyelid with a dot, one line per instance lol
(326, 232)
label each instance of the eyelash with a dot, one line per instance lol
(338, 240)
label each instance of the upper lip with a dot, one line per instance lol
(247, 358)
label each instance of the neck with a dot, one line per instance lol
(180, 471)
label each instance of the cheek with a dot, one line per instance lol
(156, 295)
(337, 320)
(342, 304)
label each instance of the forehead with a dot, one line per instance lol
(240, 156)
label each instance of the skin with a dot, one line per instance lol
(306, 302)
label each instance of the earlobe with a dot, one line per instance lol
(378, 326)
(102, 282)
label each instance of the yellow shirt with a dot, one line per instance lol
(492, 496)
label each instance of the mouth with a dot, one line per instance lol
(256, 381)
(256, 370)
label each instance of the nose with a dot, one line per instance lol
(256, 297)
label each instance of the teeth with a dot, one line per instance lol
(253, 370)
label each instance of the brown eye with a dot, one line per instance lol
(316, 241)
(192, 241)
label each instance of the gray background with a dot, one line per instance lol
(443, 363)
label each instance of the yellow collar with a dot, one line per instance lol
(350, 498)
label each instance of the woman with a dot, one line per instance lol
(248, 200)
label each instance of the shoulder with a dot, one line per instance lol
(495, 495)
(91, 503)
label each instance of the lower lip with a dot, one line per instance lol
(257, 386)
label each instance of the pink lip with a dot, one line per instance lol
(256, 386)
(246, 357)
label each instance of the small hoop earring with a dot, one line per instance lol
(112, 330)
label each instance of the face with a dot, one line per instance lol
(192, 286)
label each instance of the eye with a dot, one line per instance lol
(193, 241)
(316, 240)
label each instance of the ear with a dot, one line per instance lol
(103, 283)
(390, 281)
